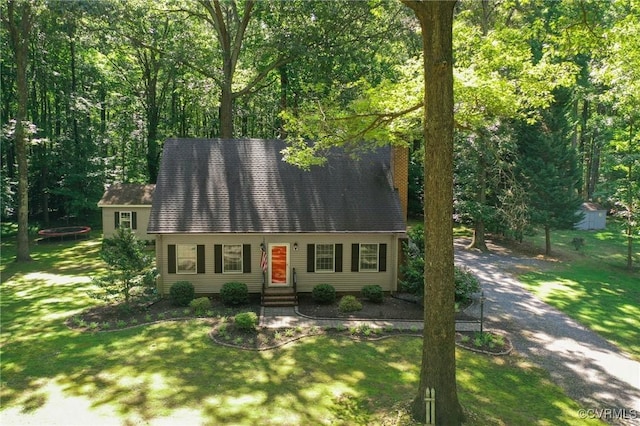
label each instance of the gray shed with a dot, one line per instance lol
(595, 217)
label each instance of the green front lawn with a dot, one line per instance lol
(172, 371)
(592, 285)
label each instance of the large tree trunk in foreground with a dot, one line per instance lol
(438, 353)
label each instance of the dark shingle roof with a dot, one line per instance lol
(127, 194)
(220, 186)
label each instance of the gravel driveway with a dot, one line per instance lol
(591, 370)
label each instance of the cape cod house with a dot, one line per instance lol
(233, 210)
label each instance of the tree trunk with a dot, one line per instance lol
(478, 241)
(547, 240)
(19, 33)
(438, 369)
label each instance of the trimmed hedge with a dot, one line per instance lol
(373, 293)
(246, 321)
(181, 293)
(234, 293)
(200, 305)
(324, 294)
(349, 304)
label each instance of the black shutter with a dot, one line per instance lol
(217, 258)
(134, 220)
(355, 257)
(338, 258)
(382, 257)
(311, 257)
(246, 258)
(116, 220)
(171, 258)
(200, 258)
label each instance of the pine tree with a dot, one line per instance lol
(549, 168)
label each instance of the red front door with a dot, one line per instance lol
(279, 264)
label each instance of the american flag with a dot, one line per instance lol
(263, 260)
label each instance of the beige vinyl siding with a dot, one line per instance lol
(142, 220)
(345, 281)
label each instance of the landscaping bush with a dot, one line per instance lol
(466, 284)
(246, 321)
(234, 293)
(181, 293)
(373, 293)
(200, 305)
(324, 294)
(349, 304)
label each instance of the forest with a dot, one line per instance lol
(546, 97)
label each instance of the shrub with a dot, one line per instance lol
(349, 304)
(246, 321)
(373, 293)
(200, 305)
(466, 284)
(181, 293)
(324, 294)
(234, 293)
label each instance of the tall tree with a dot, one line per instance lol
(549, 167)
(19, 21)
(438, 369)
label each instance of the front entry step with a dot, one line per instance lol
(279, 296)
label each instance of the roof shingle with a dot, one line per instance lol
(244, 186)
(125, 194)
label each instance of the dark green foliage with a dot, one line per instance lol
(349, 304)
(234, 293)
(181, 293)
(324, 294)
(466, 284)
(373, 293)
(200, 305)
(413, 271)
(246, 321)
(130, 274)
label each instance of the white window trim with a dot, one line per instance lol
(195, 269)
(333, 259)
(377, 258)
(129, 220)
(224, 271)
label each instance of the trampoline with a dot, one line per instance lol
(65, 231)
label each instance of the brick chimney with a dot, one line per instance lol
(400, 174)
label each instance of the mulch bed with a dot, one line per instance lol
(224, 332)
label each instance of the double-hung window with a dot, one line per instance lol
(186, 259)
(232, 258)
(368, 261)
(325, 257)
(125, 220)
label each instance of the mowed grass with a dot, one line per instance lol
(172, 373)
(592, 284)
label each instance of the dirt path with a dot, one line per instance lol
(587, 367)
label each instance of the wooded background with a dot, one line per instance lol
(546, 96)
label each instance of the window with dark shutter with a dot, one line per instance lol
(217, 258)
(134, 220)
(200, 259)
(311, 257)
(338, 258)
(171, 258)
(382, 257)
(355, 257)
(116, 220)
(246, 258)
